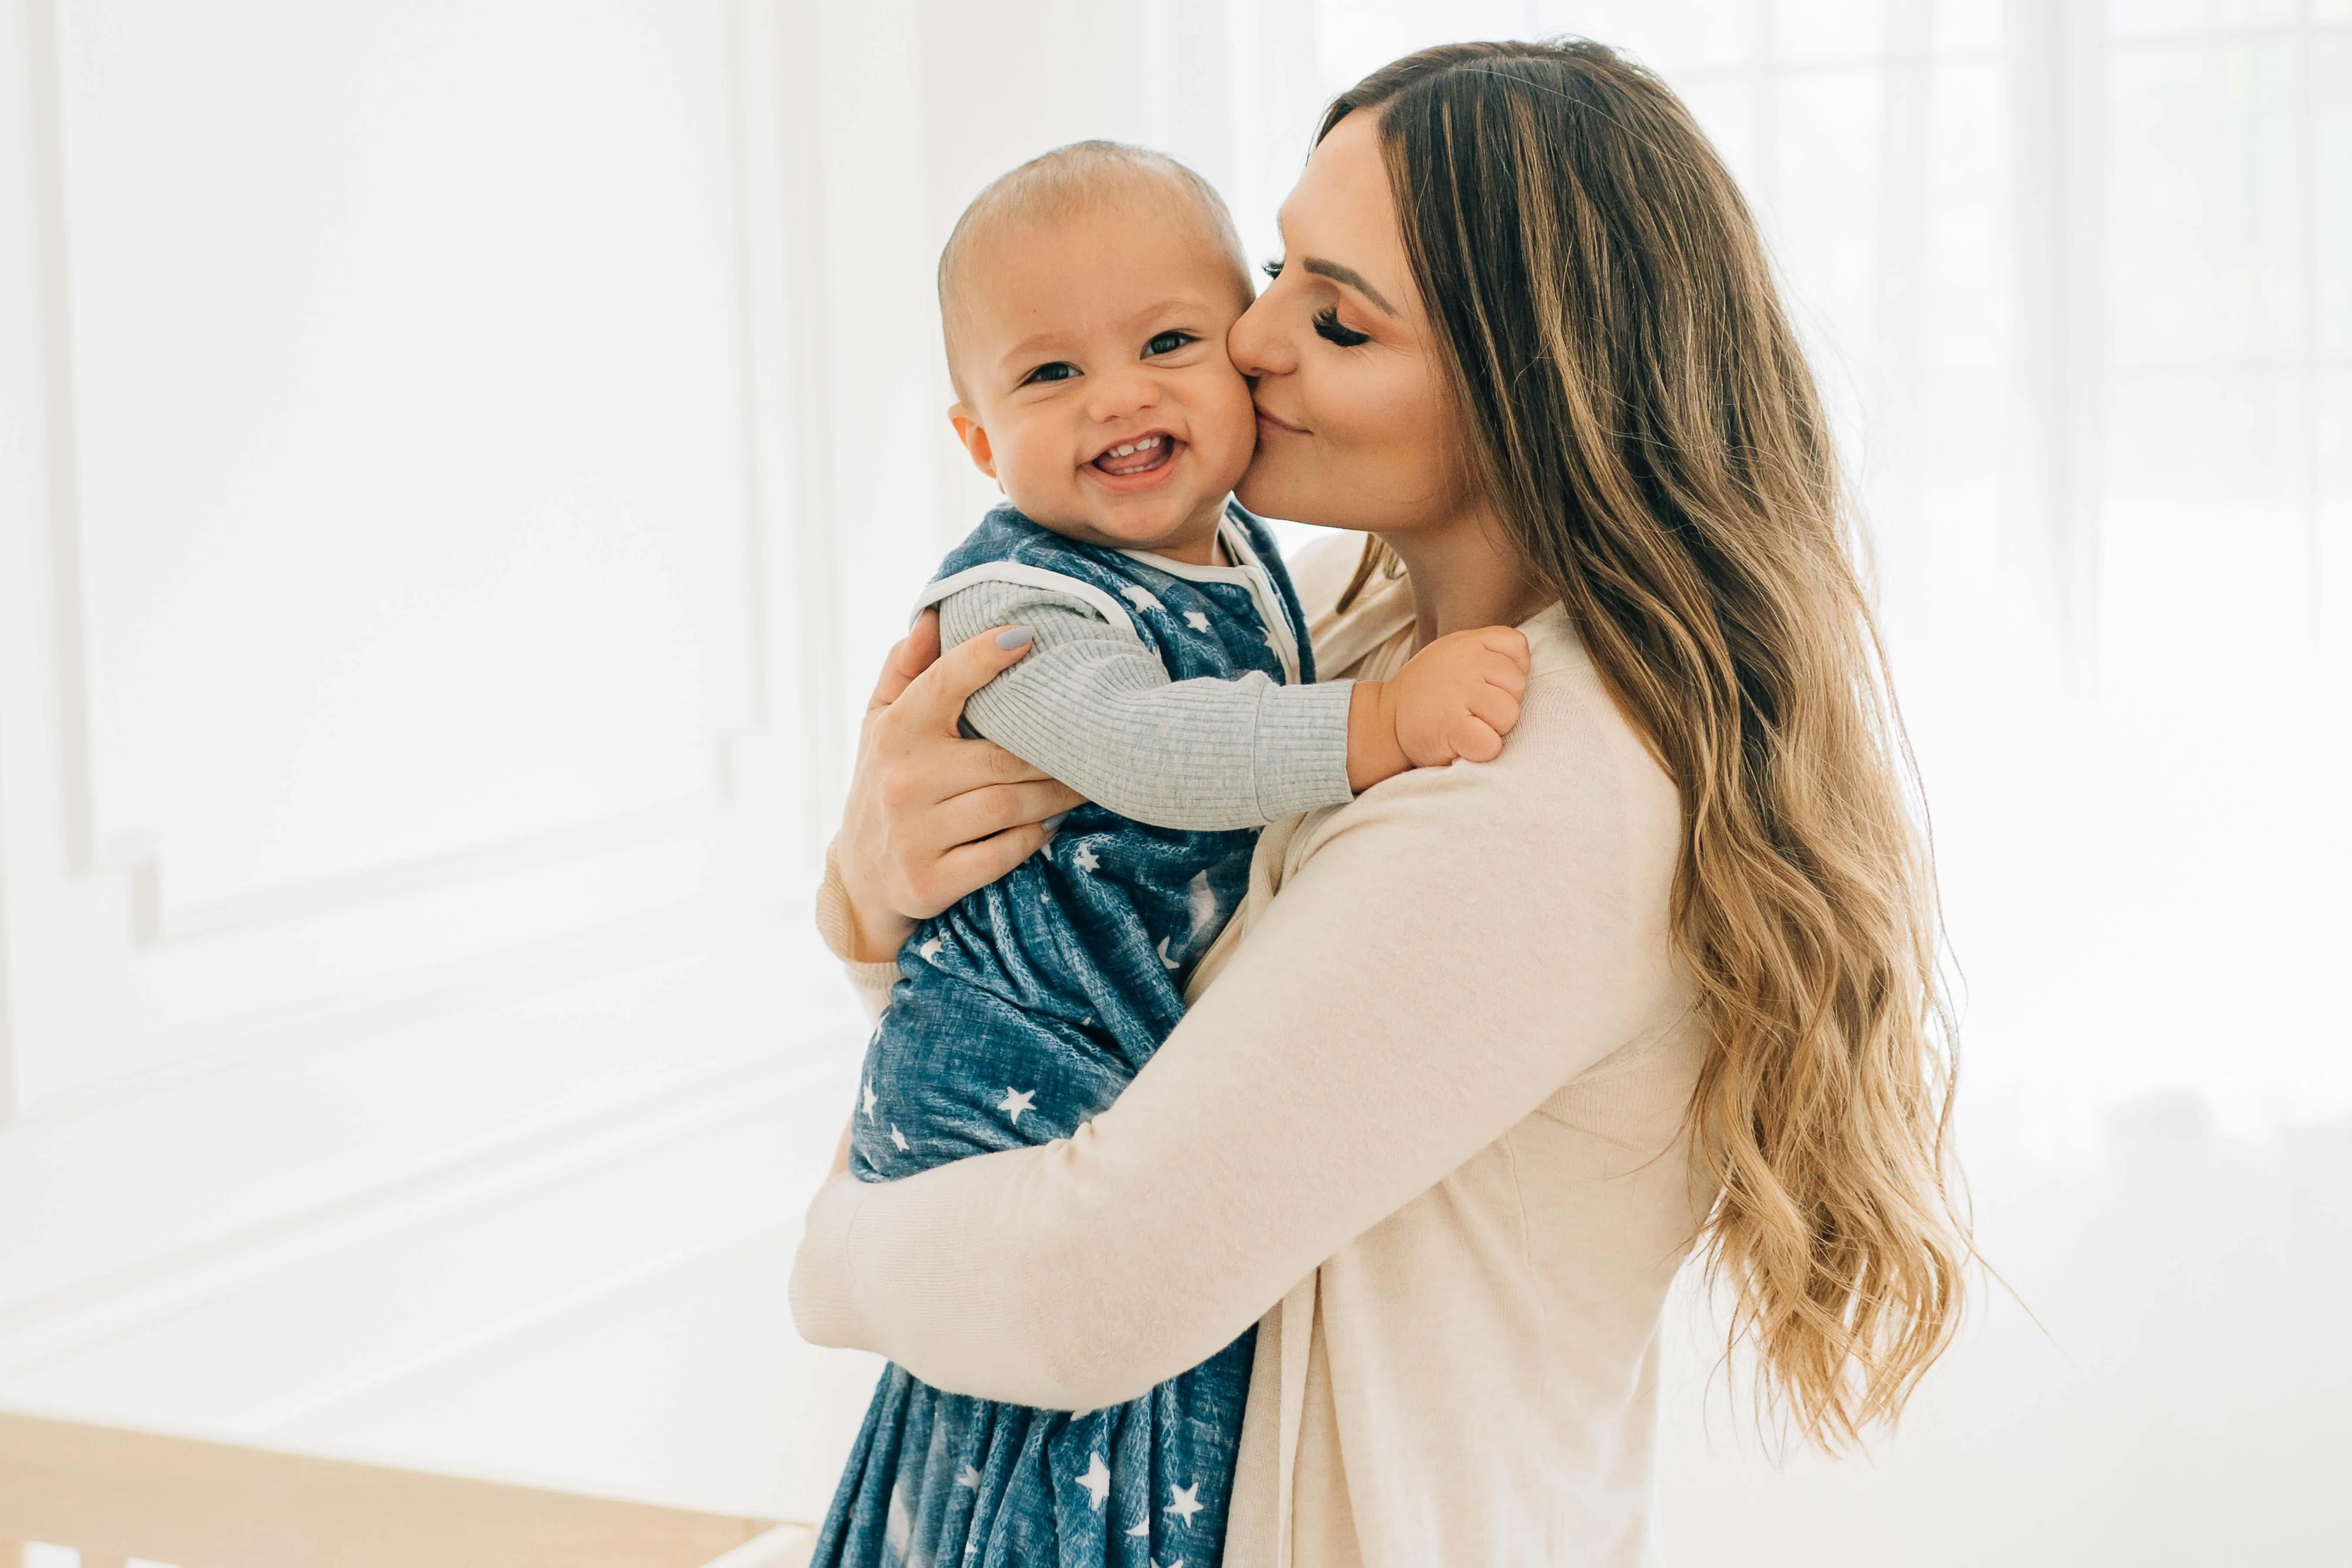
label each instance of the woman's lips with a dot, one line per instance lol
(1269, 425)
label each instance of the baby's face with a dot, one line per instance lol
(1091, 350)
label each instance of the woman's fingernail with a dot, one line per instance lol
(1054, 823)
(1013, 636)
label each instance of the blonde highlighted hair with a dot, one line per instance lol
(1635, 407)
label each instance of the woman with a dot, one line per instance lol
(1489, 1050)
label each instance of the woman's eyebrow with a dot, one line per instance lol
(1350, 277)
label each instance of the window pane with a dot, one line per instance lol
(2331, 144)
(1670, 35)
(2202, 438)
(1967, 266)
(1809, 31)
(1831, 141)
(1356, 37)
(2206, 231)
(2257, 13)
(2332, 524)
(2142, 18)
(1727, 110)
(1967, 24)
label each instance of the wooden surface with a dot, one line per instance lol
(114, 1493)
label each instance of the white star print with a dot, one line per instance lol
(1178, 1563)
(1097, 1480)
(870, 1099)
(930, 949)
(1015, 1101)
(1196, 620)
(1141, 1527)
(1141, 598)
(1272, 643)
(971, 1478)
(1185, 1502)
(1086, 859)
(1202, 900)
(1166, 962)
(898, 1137)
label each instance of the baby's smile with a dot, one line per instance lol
(1139, 462)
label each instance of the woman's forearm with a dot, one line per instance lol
(1411, 995)
(867, 944)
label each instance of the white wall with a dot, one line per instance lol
(412, 1044)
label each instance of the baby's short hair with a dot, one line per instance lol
(1064, 181)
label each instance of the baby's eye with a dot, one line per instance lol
(1059, 370)
(1168, 343)
(1328, 327)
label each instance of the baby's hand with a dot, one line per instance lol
(1455, 699)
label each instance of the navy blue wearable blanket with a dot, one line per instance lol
(1020, 1013)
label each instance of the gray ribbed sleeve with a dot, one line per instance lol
(1095, 709)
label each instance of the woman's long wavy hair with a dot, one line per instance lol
(1636, 408)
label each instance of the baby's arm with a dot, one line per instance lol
(1097, 709)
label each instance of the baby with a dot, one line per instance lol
(1086, 296)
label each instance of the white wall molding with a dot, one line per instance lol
(494, 1339)
(294, 902)
(477, 984)
(519, 1160)
(121, 968)
(139, 854)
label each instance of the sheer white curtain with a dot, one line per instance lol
(2078, 278)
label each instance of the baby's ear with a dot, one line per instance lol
(974, 437)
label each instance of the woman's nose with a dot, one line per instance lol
(1254, 345)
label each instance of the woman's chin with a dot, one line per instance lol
(1270, 495)
(1260, 491)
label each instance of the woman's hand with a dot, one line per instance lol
(931, 816)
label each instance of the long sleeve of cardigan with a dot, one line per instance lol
(1451, 949)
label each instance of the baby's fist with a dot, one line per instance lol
(1460, 696)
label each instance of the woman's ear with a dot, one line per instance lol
(974, 437)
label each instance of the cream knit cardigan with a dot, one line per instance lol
(1422, 1123)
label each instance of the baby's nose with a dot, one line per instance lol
(1123, 394)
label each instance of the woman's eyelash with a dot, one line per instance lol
(1327, 321)
(1328, 327)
